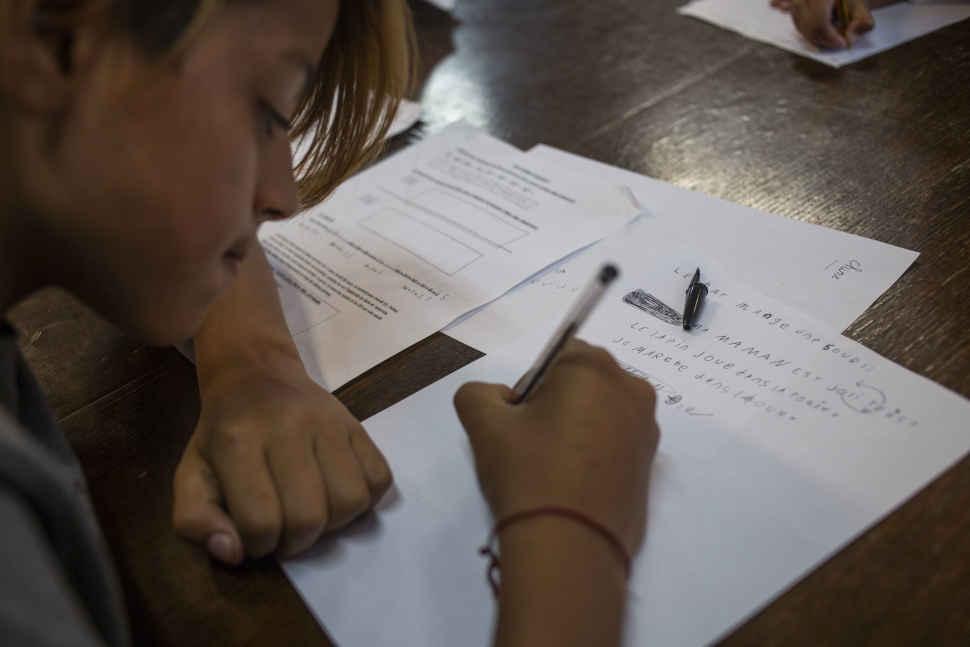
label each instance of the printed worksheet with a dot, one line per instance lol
(402, 249)
(782, 440)
(831, 275)
(895, 24)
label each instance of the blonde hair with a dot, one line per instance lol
(368, 67)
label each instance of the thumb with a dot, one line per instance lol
(861, 21)
(479, 402)
(197, 512)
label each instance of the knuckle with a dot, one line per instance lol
(382, 478)
(228, 437)
(260, 532)
(602, 357)
(588, 356)
(819, 35)
(354, 500)
(305, 524)
(646, 390)
(463, 395)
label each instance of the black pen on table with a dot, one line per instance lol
(566, 330)
(696, 292)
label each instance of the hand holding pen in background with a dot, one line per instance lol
(829, 24)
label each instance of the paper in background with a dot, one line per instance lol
(446, 5)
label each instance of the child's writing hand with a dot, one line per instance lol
(274, 462)
(815, 20)
(585, 440)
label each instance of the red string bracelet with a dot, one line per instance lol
(494, 565)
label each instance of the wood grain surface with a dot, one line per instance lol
(880, 149)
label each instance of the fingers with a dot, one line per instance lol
(282, 500)
(861, 20)
(300, 489)
(348, 494)
(248, 490)
(579, 352)
(783, 5)
(826, 36)
(813, 19)
(478, 402)
(377, 473)
(197, 511)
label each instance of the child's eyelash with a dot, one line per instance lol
(274, 118)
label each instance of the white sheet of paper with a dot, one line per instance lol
(832, 275)
(895, 24)
(408, 113)
(447, 5)
(829, 274)
(402, 249)
(775, 451)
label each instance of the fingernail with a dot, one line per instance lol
(222, 547)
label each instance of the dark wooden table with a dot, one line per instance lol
(880, 149)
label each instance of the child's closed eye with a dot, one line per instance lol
(271, 119)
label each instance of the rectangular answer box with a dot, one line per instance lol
(422, 240)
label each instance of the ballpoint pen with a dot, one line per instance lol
(570, 325)
(843, 18)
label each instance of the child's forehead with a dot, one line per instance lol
(303, 24)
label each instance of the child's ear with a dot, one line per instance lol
(44, 53)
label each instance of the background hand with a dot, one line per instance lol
(814, 20)
(585, 440)
(274, 461)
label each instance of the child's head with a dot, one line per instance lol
(143, 142)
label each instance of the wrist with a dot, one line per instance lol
(245, 332)
(566, 542)
(221, 362)
(554, 567)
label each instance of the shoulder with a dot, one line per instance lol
(39, 606)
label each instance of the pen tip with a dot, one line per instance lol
(608, 273)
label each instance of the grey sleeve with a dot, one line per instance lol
(37, 606)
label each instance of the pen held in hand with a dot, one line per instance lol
(842, 17)
(566, 330)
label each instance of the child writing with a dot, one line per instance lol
(821, 22)
(818, 22)
(143, 144)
